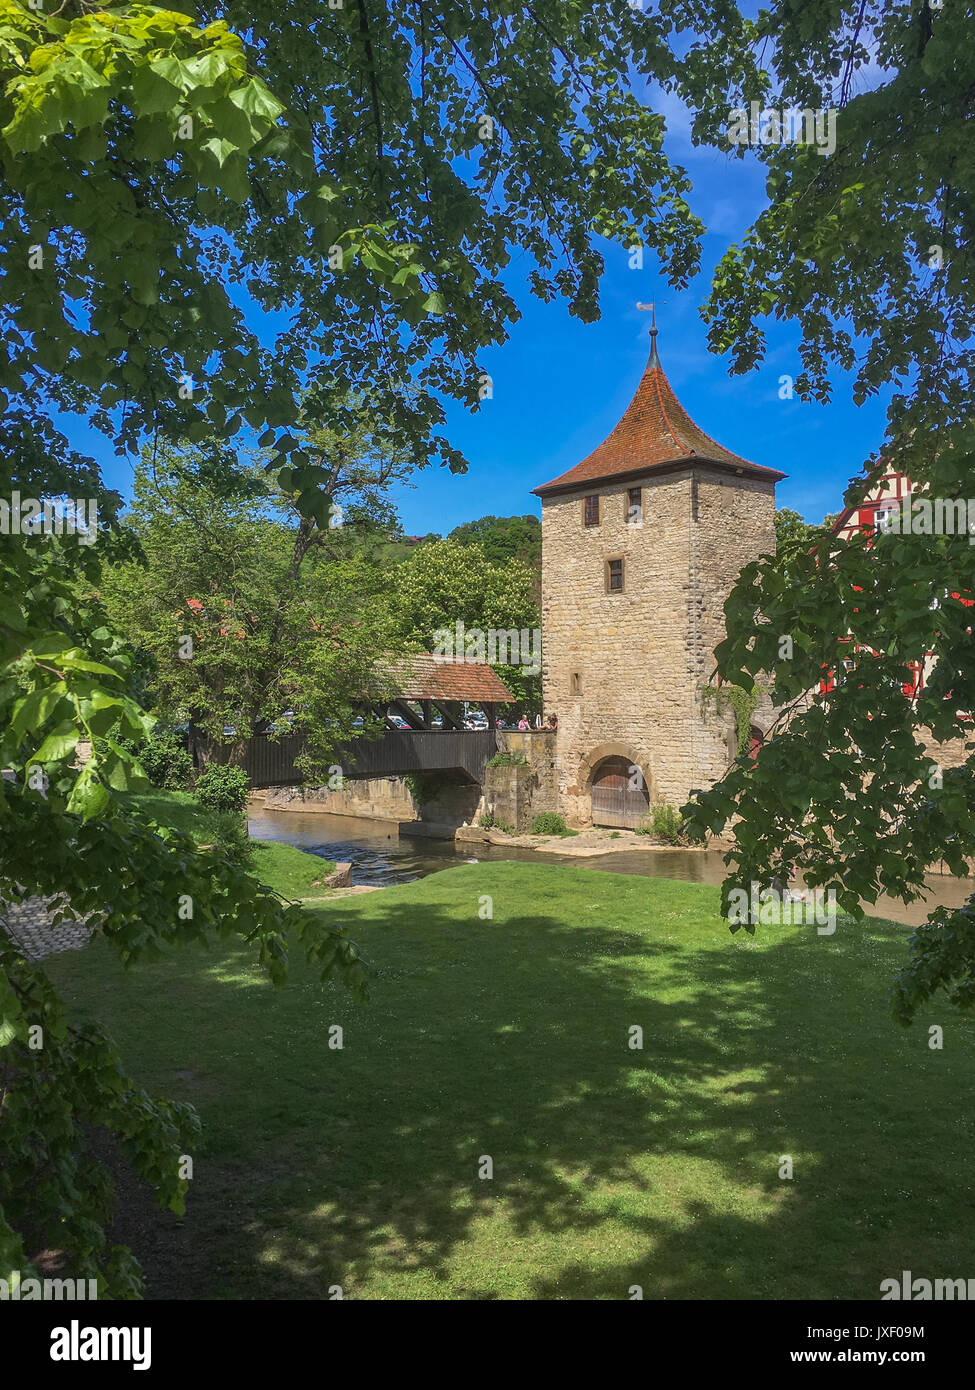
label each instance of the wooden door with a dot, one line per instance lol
(615, 801)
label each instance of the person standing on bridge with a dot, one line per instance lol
(523, 725)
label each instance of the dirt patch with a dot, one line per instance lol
(582, 846)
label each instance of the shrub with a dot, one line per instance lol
(489, 822)
(224, 788)
(164, 757)
(424, 786)
(227, 832)
(665, 824)
(549, 823)
(508, 760)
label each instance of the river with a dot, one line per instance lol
(380, 855)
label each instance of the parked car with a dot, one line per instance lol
(398, 721)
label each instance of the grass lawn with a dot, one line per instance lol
(287, 870)
(509, 1038)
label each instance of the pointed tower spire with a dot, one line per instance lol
(654, 433)
(652, 308)
(654, 359)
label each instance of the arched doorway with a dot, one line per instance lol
(755, 740)
(619, 794)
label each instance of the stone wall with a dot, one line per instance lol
(540, 748)
(506, 797)
(380, 798)
(452, 801)
(624, 671)
(516, 795)
(952, 753)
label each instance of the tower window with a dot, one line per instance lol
(614, 576)
(634, 508)
(590, 515)
(575, 683)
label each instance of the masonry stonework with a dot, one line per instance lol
(379, 798)
(516, 794)
(624, 670)
(445, 800)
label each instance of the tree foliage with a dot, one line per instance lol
(507, 538)
(253, 614)
(335, 168)
(791, 526)
(503, 538)
(868, 251)
(215, 223)
(444, 583)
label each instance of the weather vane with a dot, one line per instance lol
(651, 309)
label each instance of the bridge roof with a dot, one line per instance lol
(427, 677)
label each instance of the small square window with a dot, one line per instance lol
(590, 515)
(614, 576)
(634, 507)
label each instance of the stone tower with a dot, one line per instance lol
(641, 543)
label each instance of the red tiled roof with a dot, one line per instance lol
(655, 431)
(427, 677)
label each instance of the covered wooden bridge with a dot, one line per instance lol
(429, 689)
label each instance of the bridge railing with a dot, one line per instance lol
(419, 750)
(270, 761)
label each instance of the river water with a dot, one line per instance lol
(380, 855)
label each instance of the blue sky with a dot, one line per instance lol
(560, 386)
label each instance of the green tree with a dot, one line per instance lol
(791, 526)
(867, 249)
(503, 538)
(249, 610)
(444, 583)
(159, 177)
(150, 162)
(507, 538)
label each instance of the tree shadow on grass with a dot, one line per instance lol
(612, 1167)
